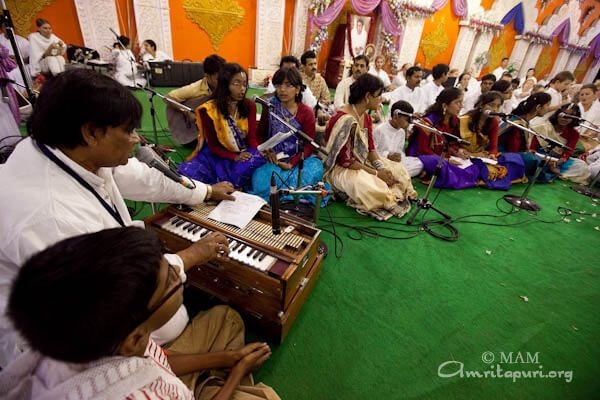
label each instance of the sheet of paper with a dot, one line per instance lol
(487, 160)
(239, 212)
(462, 164)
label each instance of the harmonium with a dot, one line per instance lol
(266, 277)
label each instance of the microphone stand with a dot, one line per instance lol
(522, 201)
(588, 190)
(424, 203)
(9, 28)
(297, 208)
(151, 93)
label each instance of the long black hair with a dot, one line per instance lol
(293, 77)
(446, 96)
(477, 113)
(563, 109)
(366, 83)
(78, 97)
(221, 94)
(530, 103)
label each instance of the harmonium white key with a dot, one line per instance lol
(238, 251)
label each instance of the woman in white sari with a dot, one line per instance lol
(375, 186)
(47, 50)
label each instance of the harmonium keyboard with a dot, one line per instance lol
(266, 277)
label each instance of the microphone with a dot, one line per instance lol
(274, 203)
(114, 33)
(400, 113)
(489, 113)
(565, 115)
(146, 155)
(261, 101)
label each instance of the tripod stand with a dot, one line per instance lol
(9, 28)
(151, 93)
(522, 201)
(424, 203)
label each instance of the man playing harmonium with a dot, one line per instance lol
(71, 177)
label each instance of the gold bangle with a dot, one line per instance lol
(208, 192)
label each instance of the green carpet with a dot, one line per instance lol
(384, 316)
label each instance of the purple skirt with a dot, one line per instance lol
(209, 168)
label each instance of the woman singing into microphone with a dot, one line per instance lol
(283, 158)
(481, 131)
(228, 123)
(428, 146)
(560, 127)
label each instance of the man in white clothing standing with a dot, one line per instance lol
(71, 177)
(435, 87)
(390, 137)
(412, 93)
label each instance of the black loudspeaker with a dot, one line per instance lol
(174, 73)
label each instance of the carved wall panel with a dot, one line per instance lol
(300, 26)
(269, 33)
(95, 17)
(22, 13)
(152, 18)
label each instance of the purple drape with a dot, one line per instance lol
(562, 31)
(328, 16)
(460, 8)
(517, 14)
(7, 65)
(390, 23)
(364, 7)
(438, 4)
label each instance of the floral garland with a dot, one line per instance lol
(538, 38)
(484, 26)
(320, 39)
(573, 48)
(390, 47)
(404, 10)
(318, 6)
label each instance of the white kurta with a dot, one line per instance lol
(498, 73)
(431, 92)
(592, 115)
(470, 99)
(415, 97)
(126, 71)
(43, 205)
(158, 56)
(381, 75)
(342, 92)
(389, 140)
(54, 63)
(399, 79)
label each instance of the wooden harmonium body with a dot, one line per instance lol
(267, 277)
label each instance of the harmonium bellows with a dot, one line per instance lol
(267, 277)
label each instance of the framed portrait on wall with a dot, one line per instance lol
(358, 35)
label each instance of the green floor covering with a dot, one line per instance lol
(384, 316)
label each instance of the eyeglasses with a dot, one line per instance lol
(172, 271)
(239, 84)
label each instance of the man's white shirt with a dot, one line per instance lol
(414, 97)
(42, 205)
